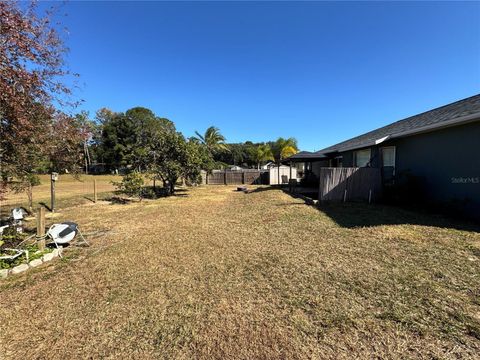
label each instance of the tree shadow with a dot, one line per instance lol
(45, 206)
(149, 193)
(263, 189)
(119, 200)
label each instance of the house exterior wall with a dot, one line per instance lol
(316, 165)
(447, 161)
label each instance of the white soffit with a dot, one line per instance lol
(379, 141)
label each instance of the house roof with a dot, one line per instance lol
(456, 113)
(306, 155)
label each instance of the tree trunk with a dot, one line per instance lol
(171, 185)
(86, 155)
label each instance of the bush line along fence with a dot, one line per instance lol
(236, 177)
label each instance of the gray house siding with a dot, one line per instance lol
(447, 161)
(316, 165)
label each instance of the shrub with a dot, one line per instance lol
(131, 184)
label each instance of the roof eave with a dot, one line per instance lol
(445, 124)
(429, 128)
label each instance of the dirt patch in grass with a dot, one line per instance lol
(227, 275)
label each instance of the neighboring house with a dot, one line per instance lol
(439, 148)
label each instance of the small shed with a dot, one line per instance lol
(286, 172)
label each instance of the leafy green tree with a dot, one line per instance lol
(238, 153)
(283, 148)
(213, 140)
(261, 153)
(198, 159)
(125, 136)
(168, 157)
(117, 140)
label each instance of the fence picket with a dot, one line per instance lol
(349, 184)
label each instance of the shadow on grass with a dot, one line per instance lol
(45, 205)
(149, 193)
(263, 189)
(89, 198)
(119, 200)
(357, 214)
(351, 215)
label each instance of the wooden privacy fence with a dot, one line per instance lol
(231, 177)
(350, 184)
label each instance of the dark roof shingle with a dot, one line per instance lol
(433, 119)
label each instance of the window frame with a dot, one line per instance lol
(355, 157)
(394, 156)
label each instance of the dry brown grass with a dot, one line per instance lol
(227, 275)
(68, 189)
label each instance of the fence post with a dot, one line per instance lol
(41, 227)
(243, 177)
(206, 179)
(225, 177)
(53, 178)
(94, 190)
(290, 176)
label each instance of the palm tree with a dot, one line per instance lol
(282, 149)
(213, 140)
(261, 153)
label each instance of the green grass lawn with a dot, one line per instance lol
(214, 273)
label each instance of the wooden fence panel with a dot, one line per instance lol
(255, 177)
(237, 177)
(349, 184)
(234, 177)
(216, 178)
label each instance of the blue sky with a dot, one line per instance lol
(319, 71)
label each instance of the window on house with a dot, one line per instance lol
(336, 161)
(362, 157)
(388, 156)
